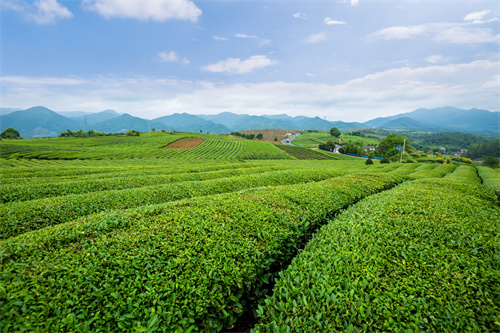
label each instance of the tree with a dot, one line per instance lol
(10, 133)
(388, 146)
(491, 162)
(329, 145)
(334, 131)
(353, 147)
(259, 136)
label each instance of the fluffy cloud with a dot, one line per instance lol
(171, 57)
(329, 21)
(316, 38)
(477, 17)
(262, 41)
(156, 10)
(168, 56)
(460, 35)
(453, 33)
(238, 66)
(40, 12)
(384, 93)
(436, 58)
(301, 16)
(221, 39)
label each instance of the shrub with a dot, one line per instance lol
(369, 161)
(385, 160)
(491, 162)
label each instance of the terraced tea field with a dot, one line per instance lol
(189, 242)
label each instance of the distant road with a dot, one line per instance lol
(289, 140)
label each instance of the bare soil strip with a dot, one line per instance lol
(185, 143)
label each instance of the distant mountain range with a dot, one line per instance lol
(41, 122)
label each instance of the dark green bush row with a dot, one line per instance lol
(44, 190)
(437, 172)
(465, 173)
(51, 174)
(423, 256)
(193, 265)
(490, 177)
(20, 217)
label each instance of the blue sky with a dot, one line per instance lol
(344, 60)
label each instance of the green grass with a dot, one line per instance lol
(366, 141)
(312, 139)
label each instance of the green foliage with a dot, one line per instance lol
(385, 160)
(369, 161)
(491, 178)
(420, 257)
(80, 133)
(491, 148)
(328, 146)
(133, 133)
(334, 131)
(259, 136)
(491, 162)
(194, 265)
(10, 133)
(388, 146)
(304, 153)
(353, 147)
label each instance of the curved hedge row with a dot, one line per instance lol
(423, 256)
(490, 177)
(31, 191)
(20, 217)
(192, 265)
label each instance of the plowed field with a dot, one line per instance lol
(185, 143)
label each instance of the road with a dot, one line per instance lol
(289, 140)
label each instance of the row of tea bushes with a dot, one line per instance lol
(32, 191)
(20, 217)
(192, 265)
(436, 172)
(423, 256)
(96, 171)
(490, 177)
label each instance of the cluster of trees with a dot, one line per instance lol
(489, 149)
(10, 133)
(249, 136)
(80, 133)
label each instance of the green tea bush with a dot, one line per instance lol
(193, 265)
(423, 256)
(490, 177)
(19, 217)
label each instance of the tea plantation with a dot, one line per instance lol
(121, 233)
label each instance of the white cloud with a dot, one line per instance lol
(477, 17)
(40, 12)
(262, 41)
(401, 32)
(168, 56)
(221, 39)
(316, 38)
(436, 58)
(172, 57)
(453, 33)
(354, 2)
(238, 66)
(156, 10)
(384, 93)
(301, 16)
(329, 21)
(459, 35)
(245, 36)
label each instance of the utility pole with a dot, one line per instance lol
(402, 151)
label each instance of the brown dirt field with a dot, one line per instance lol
(186, 143)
